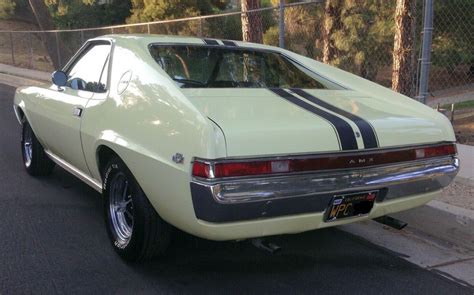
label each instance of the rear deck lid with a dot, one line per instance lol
(279, 121)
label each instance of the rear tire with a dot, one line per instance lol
(135, 229)
(35, 160)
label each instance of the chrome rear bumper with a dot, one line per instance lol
(260, 197)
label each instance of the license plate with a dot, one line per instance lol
(351, 205)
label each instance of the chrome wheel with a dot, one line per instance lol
(121, 209)
(28, 146)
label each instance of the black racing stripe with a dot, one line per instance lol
(343, 130)
(366, 129)
(229, 43)
(210, 42)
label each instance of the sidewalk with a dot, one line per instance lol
(25, 73)
(466, 173)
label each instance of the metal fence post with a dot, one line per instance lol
(30, 42)
(426, 51)
(58, 52)
(12, 50)
(148, 28)
(200, 28)
(281, 25)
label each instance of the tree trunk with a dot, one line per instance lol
(332, 23)
(251, 22)
(58, 53)
(403, 48)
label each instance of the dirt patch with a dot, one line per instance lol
(458, 194)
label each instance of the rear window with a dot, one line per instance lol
(195, 66)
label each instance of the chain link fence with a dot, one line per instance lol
(357, 36)
(452, 59)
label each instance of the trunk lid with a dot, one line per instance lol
(260, 122)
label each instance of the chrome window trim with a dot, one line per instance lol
(83, 49)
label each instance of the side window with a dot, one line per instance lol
(89, 72)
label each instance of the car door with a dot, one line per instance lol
(63, 111)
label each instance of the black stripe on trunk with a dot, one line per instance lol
(344, 132)
(210, 42)
(366, 129)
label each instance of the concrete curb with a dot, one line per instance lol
(17, 81)
(442, 221)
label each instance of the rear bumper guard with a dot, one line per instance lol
(262, 197)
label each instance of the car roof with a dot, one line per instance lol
(146, 39)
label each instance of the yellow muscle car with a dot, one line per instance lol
(228, 140)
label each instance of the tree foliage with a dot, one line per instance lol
(7, 7)
(453, 35)
(302, 28)
(156, 10)
(153, 10)
(68, 14)
(10, 7)
(367, 30)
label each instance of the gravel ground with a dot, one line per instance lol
(458, 194)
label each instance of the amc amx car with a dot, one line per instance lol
(229, 140)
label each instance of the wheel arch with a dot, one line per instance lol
(19, 113)
(104, 154)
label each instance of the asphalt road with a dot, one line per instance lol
(53, 240)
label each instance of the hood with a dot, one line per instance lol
(259, 122)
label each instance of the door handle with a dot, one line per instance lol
(77, 111)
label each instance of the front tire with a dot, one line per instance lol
(135, 229)
(35, 160)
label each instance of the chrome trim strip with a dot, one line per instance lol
(312, 155)
(76, 172)
(400, 180)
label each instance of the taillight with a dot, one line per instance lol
(234, 168)
(250, 168)
(201, 169)
(436, 151)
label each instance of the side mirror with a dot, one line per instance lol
(59, 78)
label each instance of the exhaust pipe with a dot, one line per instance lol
(392, 222)
(265, 245)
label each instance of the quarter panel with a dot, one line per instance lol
(146, 124)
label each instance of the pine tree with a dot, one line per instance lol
(332, 23)
(251, 22)
(403, 48)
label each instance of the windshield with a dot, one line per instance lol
(196, 66)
